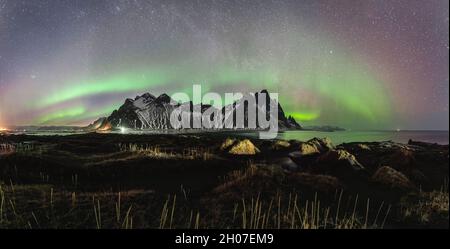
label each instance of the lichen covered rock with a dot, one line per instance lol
(391, 178)
(308, 149)
(227, 143)
(244, 147)
(339, 163)
(280, 145)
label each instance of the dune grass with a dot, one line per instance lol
(191, 153)
(50, 208)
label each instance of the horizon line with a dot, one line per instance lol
(345, 129)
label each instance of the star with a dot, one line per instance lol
(358, 63)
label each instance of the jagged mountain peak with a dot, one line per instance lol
(145, 96)
(164, 98)
(150, 112)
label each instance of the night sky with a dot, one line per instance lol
(357, 64)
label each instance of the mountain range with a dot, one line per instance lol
(147, 112)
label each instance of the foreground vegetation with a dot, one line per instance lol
(124, 182)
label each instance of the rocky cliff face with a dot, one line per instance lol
(147, 112)
(144, 112)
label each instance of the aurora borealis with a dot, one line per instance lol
(357, 64)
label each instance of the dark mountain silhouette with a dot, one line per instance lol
(147, 112)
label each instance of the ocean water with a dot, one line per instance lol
(338, 137)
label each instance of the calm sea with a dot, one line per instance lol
(338, 137)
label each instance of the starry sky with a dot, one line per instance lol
(371, 64)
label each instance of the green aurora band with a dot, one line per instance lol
(346, 86)
(339, 64)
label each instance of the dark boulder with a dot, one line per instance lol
(392, 179)
(339, 163)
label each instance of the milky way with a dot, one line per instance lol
(357, 64)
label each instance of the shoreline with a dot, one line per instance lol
(345, 136)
